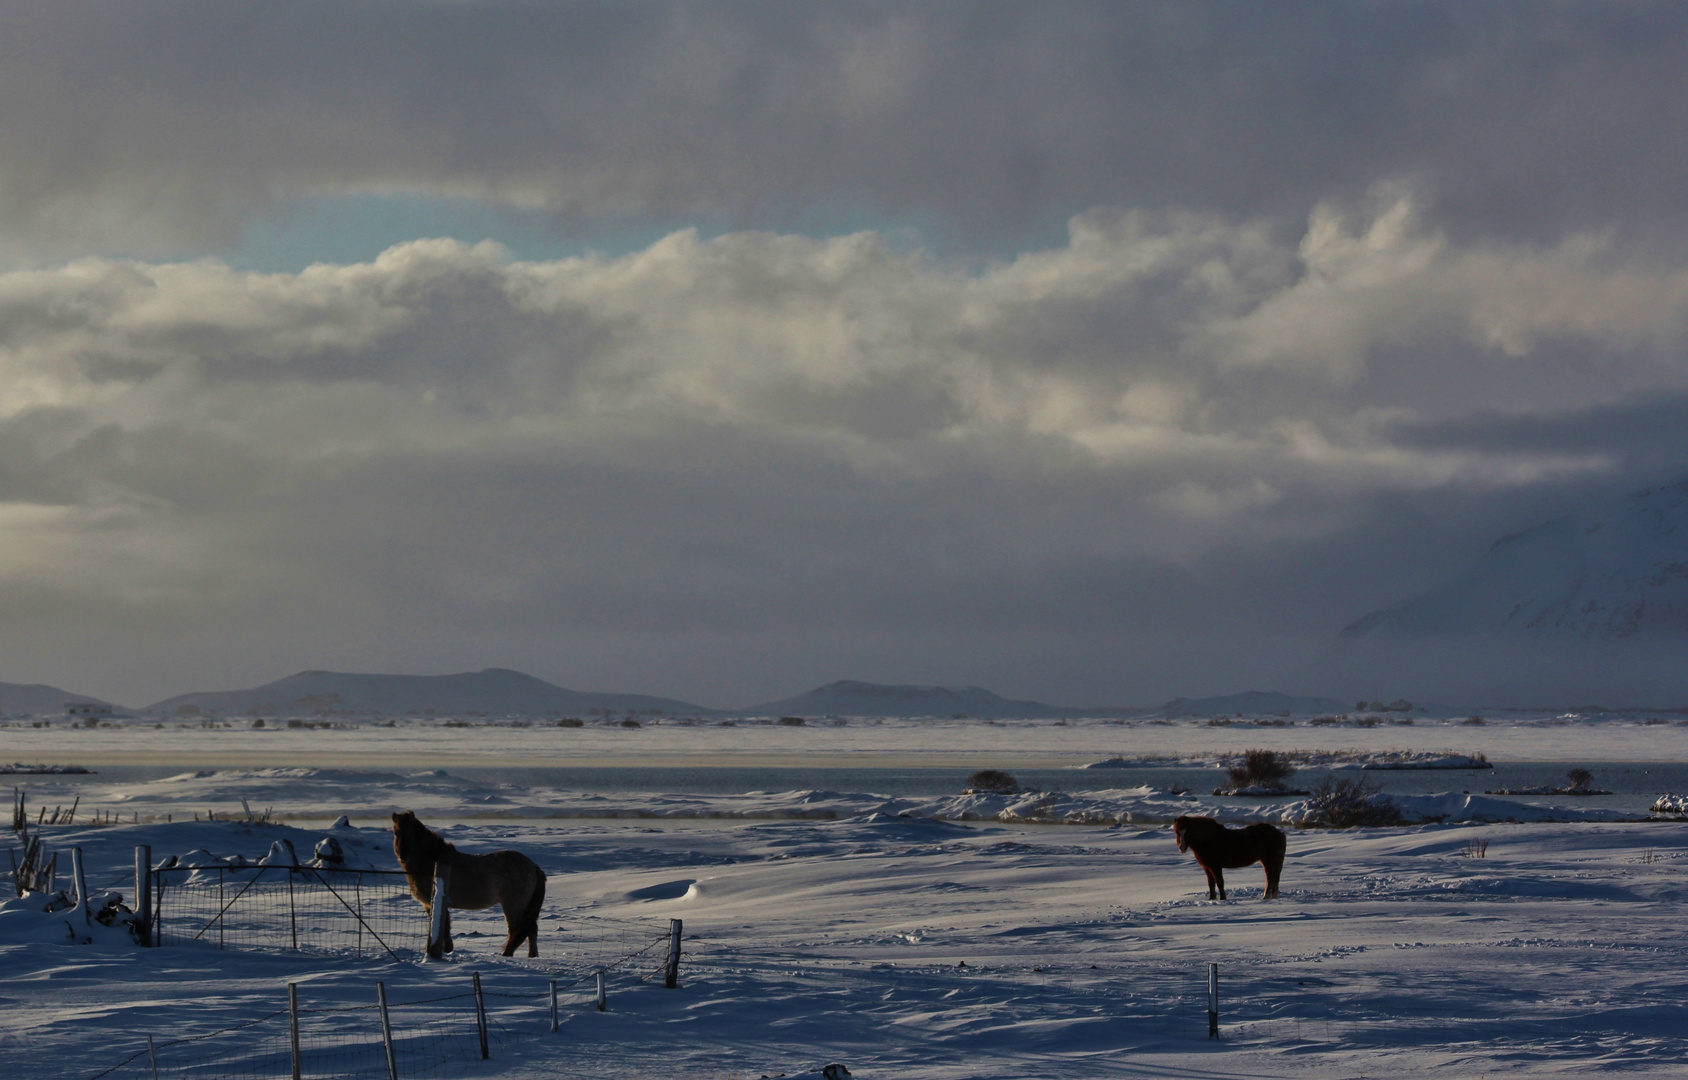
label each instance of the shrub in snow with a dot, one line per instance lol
(1344, 803)
(1580, 779)
(1261, 769)
(994, 781)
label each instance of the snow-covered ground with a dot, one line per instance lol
(1392, 952)
(902, 937)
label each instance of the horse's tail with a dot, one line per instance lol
(530, 914)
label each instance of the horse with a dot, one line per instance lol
(1217, 849)
(475, 882)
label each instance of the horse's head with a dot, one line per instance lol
(412, 839)
(1177, 831)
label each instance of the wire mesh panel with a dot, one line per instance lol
(619, 947)
(367, 912)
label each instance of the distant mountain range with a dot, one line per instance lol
(1253, 703)
(1614, 571)
(40, 700)
(501, 692)
(495, 691)
(850, 698)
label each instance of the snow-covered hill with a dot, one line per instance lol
(848, 697)
(1614, 571)
(494, 692)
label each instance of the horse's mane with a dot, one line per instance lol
(421, 842)
(1199, 826)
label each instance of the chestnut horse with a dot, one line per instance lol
(1218, 849)
(508, 878)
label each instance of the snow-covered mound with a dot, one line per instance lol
(1671, 804)
(1456, 807)
(1613, 571)
(54, 919)
(1313, 759)
(18, 768)
(1149, 806)
(1419, 760)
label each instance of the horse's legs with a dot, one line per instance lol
(1219, 880)
(1208, 870)
(516, 925)
(524, 924)
(1274, 864)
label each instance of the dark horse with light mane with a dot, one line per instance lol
(1218, 849)
(508, 878)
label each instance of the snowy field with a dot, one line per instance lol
(907, 938)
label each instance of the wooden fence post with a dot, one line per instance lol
(152, 1056)
(386, 1031)
(1213, 1001)
(293, 1027)
(553, 1004)
(671, 978)
(603, 1002)
(436, 924)
(480, 1014)
(143, 893)
(81, 884)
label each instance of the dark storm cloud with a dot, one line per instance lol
(1344, 292)
(1173, 447)
(165, 126)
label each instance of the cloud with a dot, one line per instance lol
(803, 449)
(149, 128)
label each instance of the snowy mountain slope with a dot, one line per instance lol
(41, 700)
(495, 691)
(848, 697)
(1614, 571)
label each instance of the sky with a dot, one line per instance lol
(1094, 353)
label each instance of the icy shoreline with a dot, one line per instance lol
(307, 794)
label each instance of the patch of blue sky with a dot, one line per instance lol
(357, 228)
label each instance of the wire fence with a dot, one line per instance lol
(287, 907)
(429, 1036)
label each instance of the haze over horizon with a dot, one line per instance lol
(1090, 354)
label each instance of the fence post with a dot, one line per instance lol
(436, 924)
(81, 884)
(293, 1026)
(1213, 1001)
(152, 1056)
(386, 1031)
(671, 978)
(292, 912)
(480, 1014)
(143, 893)
(603, 1002)
(553, 1004)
